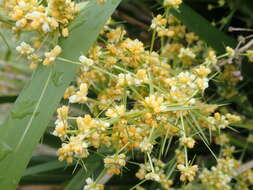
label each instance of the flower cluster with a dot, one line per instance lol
(172, 3)
(139, 100)
(187, 172)
(91, 185)
(218, 121)
(51, 56)
(141, 103)
(61, 122)
(50, 18)
(114, 163)
(219, 177)
(154, 172)
(32, 15)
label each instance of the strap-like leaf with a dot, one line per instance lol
(39, 99)
(45, 167)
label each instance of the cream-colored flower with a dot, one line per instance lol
(81, 95)
(51, 56)
(187, 173)
(24, 49)
(116, 111)
(172, 3)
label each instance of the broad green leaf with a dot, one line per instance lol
(36, 104)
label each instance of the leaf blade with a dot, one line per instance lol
(36, 104)
(45, 167)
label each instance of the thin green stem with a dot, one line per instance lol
(137, 185)
(184, 135)
(152, 42)
(150, 161)
(101, 175)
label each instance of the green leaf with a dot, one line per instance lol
(211, 35)
(93, 166)
(37, 102)
(240, 142)
(7, 99)
(77, 181)
(202, 27)
(51, 140)
(245, 124)
(46, 179)
(46, 167)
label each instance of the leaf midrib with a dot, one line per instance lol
(34, 112)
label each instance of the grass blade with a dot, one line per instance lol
(39, 99)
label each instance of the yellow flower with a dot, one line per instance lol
(187, 173)
(62, 10)
(141, 76)
(191, 37)
(116, 111)
(202, 71)
(24, 49)
(134, 46)
(249, 54)
(91, 185)
(85, 124)
(187, 141)
(69, 92)
(65, 32)
(81, 95)
(230, 52)
(186, 53)
(211, 57)
(154, 102)
(158, 22)
(233, 118)
(62, 113)
(114, 163)
(51, 56)
(172, 3)
(146, 146)
(116, 35)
